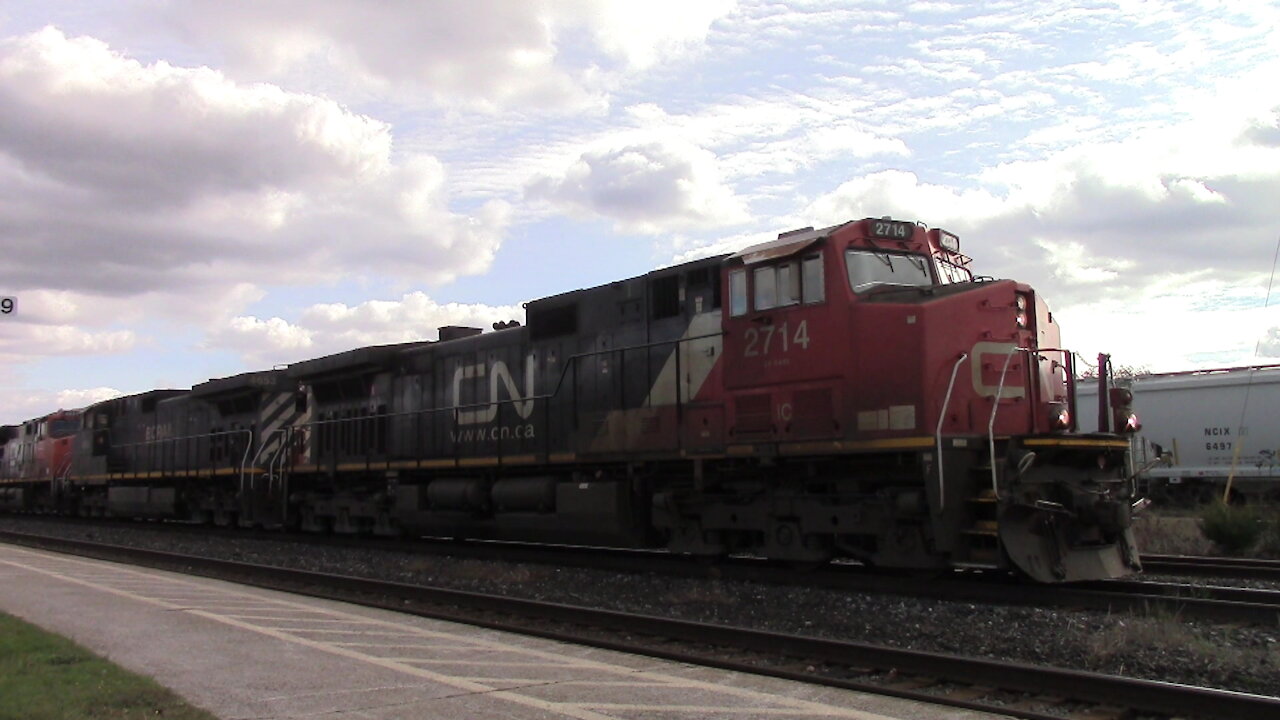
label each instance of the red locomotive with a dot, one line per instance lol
(851, 392)
(38, 451)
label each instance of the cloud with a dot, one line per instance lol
(1071, 262)
(1269, 345)
(1194, 194)
(327, 328)
(900, 194)
(649, 188)
(485, 53)
(24, 341)
(156, 177)
(645, 34)
(1176, 323)
(20, 405)
(84, 397)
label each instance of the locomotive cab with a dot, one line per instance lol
(830, 325)
(782, 363)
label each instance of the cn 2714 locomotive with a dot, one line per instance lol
(852, 391)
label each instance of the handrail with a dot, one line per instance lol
(185, 437)
(245, 459)
(942, 415)
(262, 446)
(991, 423)
(282, 455)
(995, 404)
(200, 436)
(65, 471)
(570, 366)
(572, 359)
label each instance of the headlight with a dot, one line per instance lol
(1060, 416)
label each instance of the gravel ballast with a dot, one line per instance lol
(1241, 658)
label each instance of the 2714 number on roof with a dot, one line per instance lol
(892, 229)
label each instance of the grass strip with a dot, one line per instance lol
(47, 677)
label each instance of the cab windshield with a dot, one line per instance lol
(868, 269)
(65, 427)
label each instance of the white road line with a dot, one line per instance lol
(488, 663)
(584, 711)
(389, 646)
(703, 710)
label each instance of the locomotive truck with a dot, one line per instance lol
(847, 392)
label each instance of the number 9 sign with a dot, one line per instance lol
(8, 305)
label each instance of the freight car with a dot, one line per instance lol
(1202, 429)
(852, 391)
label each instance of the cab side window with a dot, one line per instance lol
(766, 288)
(777, 286)
(738, 292)
(781, 285)
(813, 281)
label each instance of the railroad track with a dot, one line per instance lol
(1215, 604)
(1038, 693)
(1213, 566)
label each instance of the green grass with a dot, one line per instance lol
(1233, 529)
(46, 677)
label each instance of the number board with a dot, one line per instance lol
(892, 229)
(8, 306)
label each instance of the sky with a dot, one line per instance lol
(196, 188)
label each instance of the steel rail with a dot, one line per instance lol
(1199, 565)
(672, 638)
(1138, 597)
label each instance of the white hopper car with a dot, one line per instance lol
(1201, 429)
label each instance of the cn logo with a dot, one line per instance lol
(990, 359)
(498, 373)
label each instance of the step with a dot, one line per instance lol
(973, 565)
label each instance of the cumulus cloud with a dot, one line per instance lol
(1177, 323)
(24, 341)
(534, 53)
(1071, 262)
(1196, 194)
(20, 405)
(650, 187)
(901, 194)
(162, 177)
(333, 327)
(78, 398)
